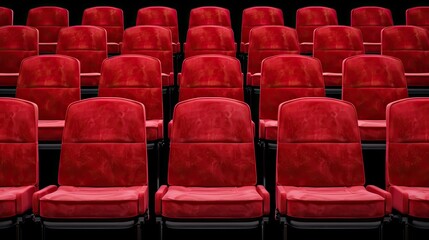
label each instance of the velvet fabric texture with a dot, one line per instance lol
(285, 77)
(412, 201)
(19, 156)
(309, 18)
(109, 18)
(52, 82)
(371, 20)
(89, 45)
(370, 82)
(417, 16)
(411, 45)
(6, 16)
(258, 16)
(333, 44)
(211, 75)
(266, 41)
(209, 16)
(209, 39)
(48, 20)
(153, 41)
(17, 43)
(161, 16)
(136, 77)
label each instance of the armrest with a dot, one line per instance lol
(39, 194)
(400, 199)
(179, 78)
(170, 126)
(266, 197)
(281, 199)
(144, 201)
(385, 194)
(158, 199)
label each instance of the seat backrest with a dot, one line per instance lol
(160, 16)
(109, 18)
(48, 20)
(209, 15)
(209, 39)
(269, 40)
(370, 82)
(371, 20)
(418, 16)
(318, 144)
(18, 143)
(407, 143)
(307, 19)
(17, 43)
(211, 144)
(135, 77)
(259, 16)
(50, 81)
(333, 44)
(104, 144)
(86, 43)
(408, 43)
(285, 77)
(150, 40)
(6, 16)
(211, 75)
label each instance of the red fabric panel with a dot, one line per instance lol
(18, 143)
(15, 200)
(258, 16)
(212, 203)
(210, 39)
(188, 93)
(51, 130)
(417, 16)
(94, 203)
(109, 18)
(209, 16)
(331, 203)
(134, 77)
(286, 77)
(6, 16)
(413, 201)
(39, 194)
(372, 130)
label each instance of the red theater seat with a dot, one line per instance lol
(6, 16)
(53, 83)
(418, 16)
(209, 15)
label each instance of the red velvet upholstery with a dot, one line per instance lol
(48, 20)
(370, 82)
(16, 43)
(266, 41)
(212, 167)
(411, 45)
(103, 169)
(285, 77)
(320, 173)
(161, 16)
(136, 77)
(418, 16)
(209, 39)
(258, 16)
(310, 18)
(333, 44)
(19, 156)
(89, 45)
(371, 20)
(407, 169)
(52, 82)
(153, 41)
(109, 18)
(211, 75)
(209, 15)
(6, 16)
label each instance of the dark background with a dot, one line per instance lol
(130, 8)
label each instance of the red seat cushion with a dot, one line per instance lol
(212, 203)
(268, 129)
(413, 201)
(94, 203)
(15, 200)
(154, 129)
(50, 130)
(372, 130)
(329, 203)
